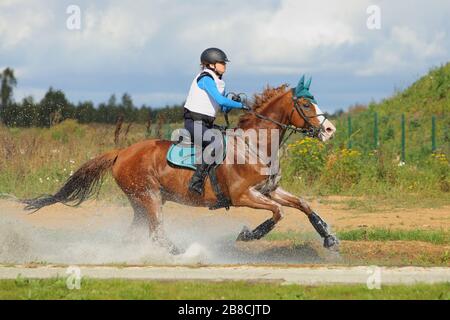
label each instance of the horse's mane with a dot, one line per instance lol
(261, 100)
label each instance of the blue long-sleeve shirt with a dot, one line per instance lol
(208, 84)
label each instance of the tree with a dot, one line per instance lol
(53, 102)
(85, 112)
(8, 81)
(29, 112)
(128, 108)
(112, 102)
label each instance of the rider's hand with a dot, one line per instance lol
(245, 106)
(236, 98)
(225, 109)
(242, 98)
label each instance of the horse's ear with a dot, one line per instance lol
(308, 83)
(300, 86)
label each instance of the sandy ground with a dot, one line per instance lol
(303, 275)
(93, 213)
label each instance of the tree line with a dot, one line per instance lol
(54, 108)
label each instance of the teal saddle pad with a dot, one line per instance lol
(183, 155)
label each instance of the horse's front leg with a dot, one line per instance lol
(255, 199)
(289, 200)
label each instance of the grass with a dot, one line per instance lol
(431, 236)
(37, 161)
(378, 246)
(439, 237)
(140, 289)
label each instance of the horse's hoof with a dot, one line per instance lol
(245, 235)
(331, 242)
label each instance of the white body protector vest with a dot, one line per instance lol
(199, 101)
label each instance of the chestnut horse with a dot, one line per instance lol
(143, 173)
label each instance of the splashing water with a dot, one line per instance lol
(205, 240)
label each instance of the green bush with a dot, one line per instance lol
(344, 169)
(307, 159)
(310, 166)
(65, 130)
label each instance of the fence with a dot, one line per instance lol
(431, 145)
(371, 137)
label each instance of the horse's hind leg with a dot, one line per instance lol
(289, 200)
(140, 217)
(147, 208)
(255, 199)
(138, 229)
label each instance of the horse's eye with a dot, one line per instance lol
(307, 105)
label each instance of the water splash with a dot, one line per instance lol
(204, 240)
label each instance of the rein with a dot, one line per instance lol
(312, 131)
(289, 128)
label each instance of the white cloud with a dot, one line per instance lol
(402, 49)
(265, 39)
(282, 37)
(155, 35)
(19, 26)
(299, 28)
(116, 28)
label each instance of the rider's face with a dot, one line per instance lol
(220, 67)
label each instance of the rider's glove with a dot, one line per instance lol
(236, 98)
(242, 98)
(245, 106)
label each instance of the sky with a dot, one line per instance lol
(356, 51)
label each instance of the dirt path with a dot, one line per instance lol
(94, 213)
(303, 276)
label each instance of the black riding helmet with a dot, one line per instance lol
(213, 55)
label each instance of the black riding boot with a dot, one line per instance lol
(198, 179)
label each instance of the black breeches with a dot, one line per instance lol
(197, 129)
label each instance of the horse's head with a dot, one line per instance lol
(307, 114)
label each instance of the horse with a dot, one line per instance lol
(148, 180)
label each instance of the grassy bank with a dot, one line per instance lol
(127, 289)
(441, 237)
(366, 160)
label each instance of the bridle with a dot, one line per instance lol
(311, 131)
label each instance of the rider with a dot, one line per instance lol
(206, 96)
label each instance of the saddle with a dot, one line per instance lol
(181, 154)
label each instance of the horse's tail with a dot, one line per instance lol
(82, 185)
